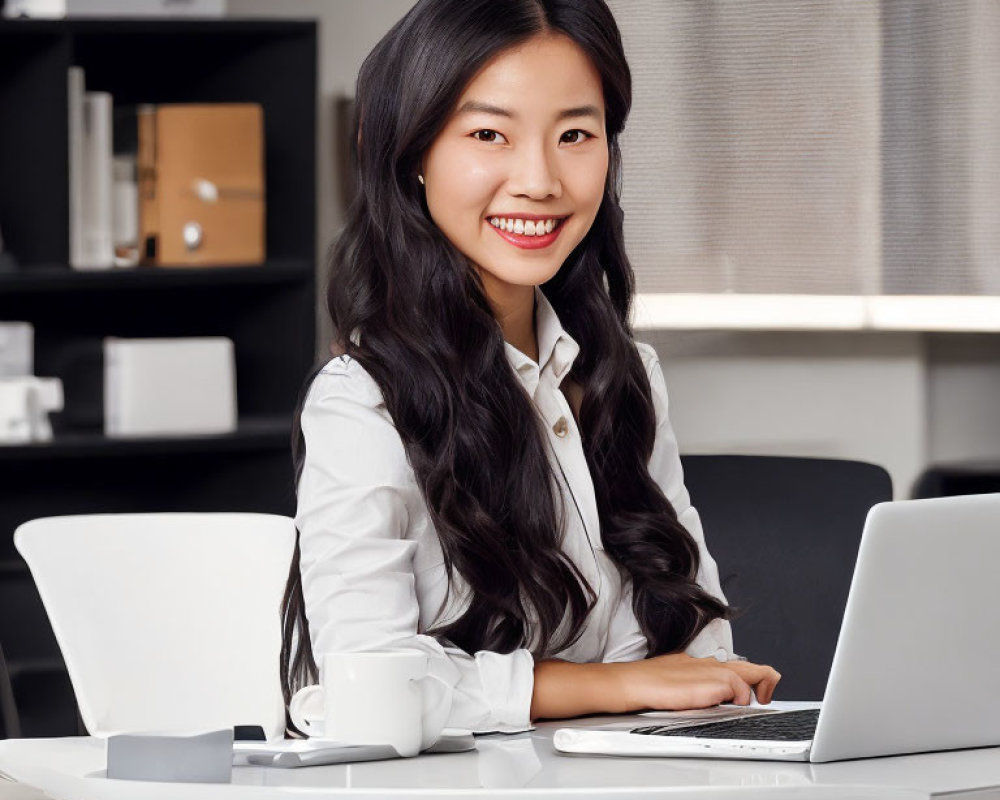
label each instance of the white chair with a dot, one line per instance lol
(166, 621)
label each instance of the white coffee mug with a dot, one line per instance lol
(367, 699)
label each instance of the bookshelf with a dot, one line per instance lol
(267, 310)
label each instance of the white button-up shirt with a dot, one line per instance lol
(373, 576)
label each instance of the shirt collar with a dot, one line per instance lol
(556, 349)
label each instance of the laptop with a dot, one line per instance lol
(916, 661)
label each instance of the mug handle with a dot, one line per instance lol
(304, 702)
(433, 688)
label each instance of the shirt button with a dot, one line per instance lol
(561, 427)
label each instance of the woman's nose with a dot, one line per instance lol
(535, 174)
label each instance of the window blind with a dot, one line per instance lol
(813, 146)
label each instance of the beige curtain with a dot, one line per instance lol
(813, 146)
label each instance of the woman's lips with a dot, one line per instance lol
(530, 242)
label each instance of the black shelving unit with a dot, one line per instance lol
(267, 310)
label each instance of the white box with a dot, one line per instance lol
(164, 387)
(114, 8)
(17, 347)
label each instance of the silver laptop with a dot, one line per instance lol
(915, 666)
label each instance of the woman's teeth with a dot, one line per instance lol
(525, 227)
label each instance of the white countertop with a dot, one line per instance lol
(525, 766)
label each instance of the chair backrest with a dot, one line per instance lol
(785, 533)
(10, 723)
(39, 684)
(166, 621)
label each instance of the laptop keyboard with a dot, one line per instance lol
(787, 726)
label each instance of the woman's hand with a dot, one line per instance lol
(677, 681)
(663, 683)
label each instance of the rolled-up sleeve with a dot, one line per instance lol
(357, 502)
(716, 638)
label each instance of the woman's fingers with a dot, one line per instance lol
(764, 692)
(741, 690)
(763, 678)
(677, 681)
(765, 689)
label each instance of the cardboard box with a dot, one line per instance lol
(201, 184)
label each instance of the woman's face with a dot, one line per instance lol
(516, 177)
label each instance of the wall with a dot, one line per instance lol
(963, 397)
(842, 395)
(900, 400)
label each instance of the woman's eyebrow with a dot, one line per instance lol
(470, 106)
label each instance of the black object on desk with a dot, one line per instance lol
(249, 733)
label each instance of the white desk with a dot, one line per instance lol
(525, 767)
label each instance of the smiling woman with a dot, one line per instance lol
(508, 153)
(486, 471)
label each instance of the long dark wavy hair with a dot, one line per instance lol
(430, 341)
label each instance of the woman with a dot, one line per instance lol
(487, 473)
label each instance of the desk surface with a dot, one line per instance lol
(524, 766)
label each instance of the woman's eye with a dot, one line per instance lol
(575, 136)
(487, 135)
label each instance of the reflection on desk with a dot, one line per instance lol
(524, 766)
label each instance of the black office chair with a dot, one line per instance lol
(785, 534)
(36, 696)
(10, 723)
(957, 478)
